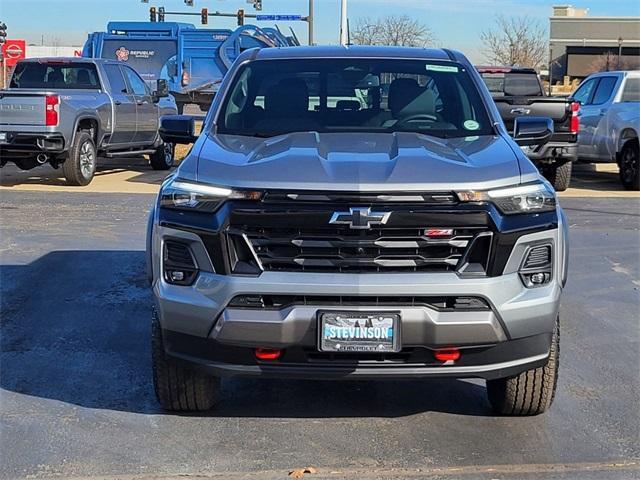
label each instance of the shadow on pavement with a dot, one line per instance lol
(76, 327)
(136, 170)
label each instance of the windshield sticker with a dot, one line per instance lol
(471, 125)
(442, 68)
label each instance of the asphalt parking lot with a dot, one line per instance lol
(76, 398)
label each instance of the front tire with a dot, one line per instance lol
(163, 157)
(80, 167)
(558, 175)
(179, 388)
(532, 391)
(630, 166)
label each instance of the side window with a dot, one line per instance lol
(583, 94)
(116, 80)
(137, 84)
(604, 90)
(631, 92)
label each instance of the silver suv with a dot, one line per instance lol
(356, 213)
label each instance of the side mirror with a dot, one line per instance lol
(529, 131)
(177, 129)
(162, 90)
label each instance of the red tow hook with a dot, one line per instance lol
(447, 354)
(268, 353)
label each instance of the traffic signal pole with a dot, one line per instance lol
(158, 14)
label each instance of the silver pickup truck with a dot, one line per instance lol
(610, 119)
(68, 111)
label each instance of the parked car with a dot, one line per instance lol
(610, 119)
(192, 60)
(518, 92)
(68, 111)
(317, 230)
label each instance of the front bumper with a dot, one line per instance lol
(497, 361)
(513, 335)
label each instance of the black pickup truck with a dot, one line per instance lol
(518, 92)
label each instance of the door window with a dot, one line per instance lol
(136, 83)
(583, 94)
(604, 90)
(116, 80)
(631, 92)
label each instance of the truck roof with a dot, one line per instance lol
(501, 69)
(67, 60)
(354, 51)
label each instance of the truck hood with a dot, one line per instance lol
(401, 161)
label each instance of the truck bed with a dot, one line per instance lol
(558, 109)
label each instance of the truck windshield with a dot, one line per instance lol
(513, 84)
(55, 75)
(273, 97)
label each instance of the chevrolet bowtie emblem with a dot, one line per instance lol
(360, 218)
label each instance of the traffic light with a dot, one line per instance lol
(3, 33)
(152, 14)
(241, 17)
(204, 16)
(161, 14)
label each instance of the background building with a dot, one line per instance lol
(580, 44)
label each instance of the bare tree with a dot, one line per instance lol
(365, 32)
(399, 30)
(515, 41)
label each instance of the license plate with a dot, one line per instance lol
(3, 137)
(359, 332)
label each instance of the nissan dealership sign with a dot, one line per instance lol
(14, 50)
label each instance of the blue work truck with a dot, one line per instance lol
(192, 60)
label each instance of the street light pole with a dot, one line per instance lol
(310, 22)
(344, 37)
(620, 40)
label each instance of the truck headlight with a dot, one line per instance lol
(184, 195)
(531, 198)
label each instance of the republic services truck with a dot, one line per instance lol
(192, 61)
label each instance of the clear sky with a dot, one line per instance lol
(455, 23)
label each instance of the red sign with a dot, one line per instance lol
(14, 50)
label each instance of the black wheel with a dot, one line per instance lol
(532, 391)
(80, 166)
(558, 175)
(162, 158)
(629, 166)
(178, 387)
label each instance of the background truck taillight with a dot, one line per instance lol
(51, 112)
(574, 125)
(185, 78)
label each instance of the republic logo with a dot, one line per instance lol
(122, 54)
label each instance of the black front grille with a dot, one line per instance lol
(333, 239)
(343, 250)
